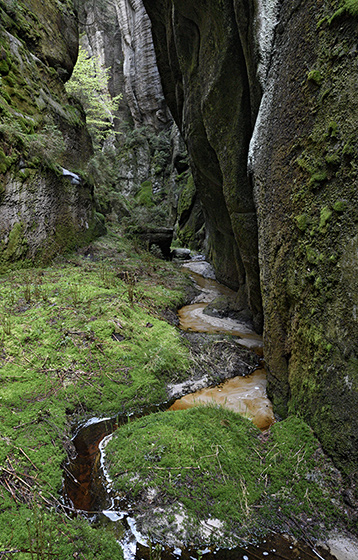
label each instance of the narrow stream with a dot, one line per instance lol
(87, 488)
(245, 395)
(193, 319)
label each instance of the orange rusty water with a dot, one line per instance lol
(193, 319)
(245, 395)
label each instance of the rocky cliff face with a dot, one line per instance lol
(44, 208)
(278, 76)
(119, 35)
(304, 158)
(213, 92)
(149, 149)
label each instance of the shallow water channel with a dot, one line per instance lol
(87, 488)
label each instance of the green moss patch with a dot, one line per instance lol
(145, 194)
(315, 76)
(17, 245)
(77, 339)
(187, 197)
(218, 466)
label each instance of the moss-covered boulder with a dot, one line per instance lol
(44, 208)
(209, 468)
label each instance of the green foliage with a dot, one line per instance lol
(340, 205)
(89, 84)
(144, 197)
(325, 216)
(347, 7)
(302, 221)
(317, 177)
(38, 144)
(333, 159)
(351, 7)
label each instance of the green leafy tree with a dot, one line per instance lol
(89, 84)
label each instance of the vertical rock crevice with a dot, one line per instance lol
(293, 66)
(214, 96)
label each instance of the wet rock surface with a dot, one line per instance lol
(42, 212)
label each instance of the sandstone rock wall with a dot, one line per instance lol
(149, 147)
(119, 34)
(42, 211)
(206, 56)
(304, 156)
(294, 64)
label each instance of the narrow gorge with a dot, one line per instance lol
(270, 135)
(134, 132)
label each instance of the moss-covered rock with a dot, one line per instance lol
(248, 483)
(190, 217)
(197, 50)
(41, 132)
(304, 168)
(304, 178)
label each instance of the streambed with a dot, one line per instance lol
(88, 487)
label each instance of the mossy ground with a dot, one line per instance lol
(218, 465)
(85, 337)
(80, 338)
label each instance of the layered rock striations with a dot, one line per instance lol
(149, 149)
(264, 94)
(43, 208)
(119, 34)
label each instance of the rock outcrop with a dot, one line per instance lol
(304, 167)
(213, 94)
(119, 35)
(148, 146)
(43, 211)
(292, 212)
